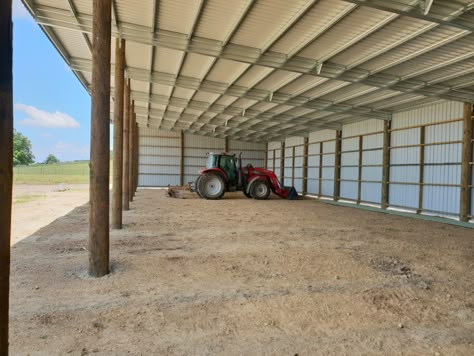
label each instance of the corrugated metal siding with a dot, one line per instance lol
(159, 158)
(371, 173)
(327, 169)
(252, 153)
(294, 176)
(405, 161)
(195, 151)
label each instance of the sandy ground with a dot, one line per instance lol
(245, 277)
(48, 202)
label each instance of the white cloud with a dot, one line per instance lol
(40, 118)
(19, 10)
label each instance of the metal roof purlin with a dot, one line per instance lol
(273, 60)
(414, 12)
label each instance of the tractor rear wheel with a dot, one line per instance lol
(260, 190)
(211, 186)
(198, 192)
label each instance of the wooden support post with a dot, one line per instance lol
(100, 140)
(320, 176)
(118, 134)
(385, 197)
(274, 159)
(337, 165)
(359, 174)
(421, 170)
(293, 167)
(126, 157)
(131, 148)
(265, 164)
(6, 161)
(466, 168)
(282, 163)
(304, 182)
(181, 159)
(226, 144)
(137, 154)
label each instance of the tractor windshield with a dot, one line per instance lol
(212, 161)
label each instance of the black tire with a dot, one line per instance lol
(247, 194)
(211, 186)
(197, 186)
(260, 189)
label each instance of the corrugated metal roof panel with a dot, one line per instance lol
(226, 71)
(177, 15)
(167, 60)
(267, 20)
(353, 27)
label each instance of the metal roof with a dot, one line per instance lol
(259, 70)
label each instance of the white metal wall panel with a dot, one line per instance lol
(443, 111)
(195, 153)
(159, 158)
(442, 162)
(252, 153)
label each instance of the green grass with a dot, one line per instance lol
(68, 172)
(27, 198)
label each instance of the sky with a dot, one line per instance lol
(51, 107)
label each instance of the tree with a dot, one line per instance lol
(22, 153)
(51, 159)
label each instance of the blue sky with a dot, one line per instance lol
(52, 108)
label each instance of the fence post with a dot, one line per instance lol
(466, 165)
(320, 175)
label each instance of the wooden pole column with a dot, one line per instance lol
(359, 174)
(305, 166)
(126, 157)
(282, 163)
(320, 176)
(118, 134)
(274, 160)
(181, 159)
(265, 164)
(337, 165)
(226, 144)
(385, 197)
(6, 162)
(293, 167)
(100, 140)
(421, 170)
(137, 154)
(466, 165)
(131, 154)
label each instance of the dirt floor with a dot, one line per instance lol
(246, 277)
(35, 206)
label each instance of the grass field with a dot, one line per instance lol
(68, 172)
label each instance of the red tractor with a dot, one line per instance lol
(224, 174)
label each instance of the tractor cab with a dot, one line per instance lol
(226, 163)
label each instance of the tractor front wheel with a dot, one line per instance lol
(260, 190)
(211, 186)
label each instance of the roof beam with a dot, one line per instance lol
(46, 16)
(242, 92)
(413, 11)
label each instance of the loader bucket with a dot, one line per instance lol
(292, 193)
